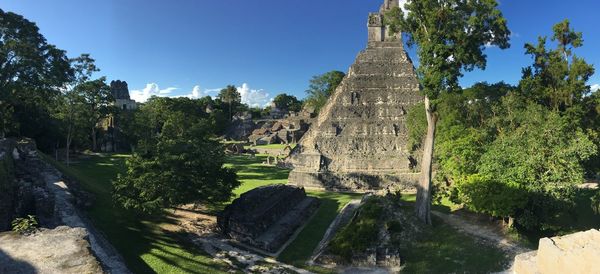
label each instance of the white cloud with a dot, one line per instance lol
(254, 97)
(150, 90)
(595, 87)
(402, 3)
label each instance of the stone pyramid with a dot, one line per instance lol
(358, 141)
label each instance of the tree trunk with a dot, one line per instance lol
(423, 203)
(67, 146)
(94, 139)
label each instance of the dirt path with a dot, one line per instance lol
(486, 232)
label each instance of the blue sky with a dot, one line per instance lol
(264, 47)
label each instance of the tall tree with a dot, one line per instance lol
(321, 87)
(231, 96)
(450, 37)
(33, 72)
(558, 78)
(70, 109)
(98, 104)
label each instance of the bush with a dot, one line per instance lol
(25, 226)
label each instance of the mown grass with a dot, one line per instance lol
(145, 247)
(273, 146)
(252, 173)
(442, 249)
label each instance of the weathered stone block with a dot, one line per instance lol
(267, 216)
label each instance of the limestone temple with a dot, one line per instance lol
(358, 141)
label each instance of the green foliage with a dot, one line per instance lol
(496, 198)
(287, 102)
(181, 162)
(321, 87)
(451, 37)
(595, 202)
(231, 96)
(416, 124)
(360, 233)
(25, 225)
(541, 152)
(33, 72)
(557, 78)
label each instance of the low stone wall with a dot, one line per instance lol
(574, 253)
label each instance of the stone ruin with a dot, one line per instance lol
(358, 141)
(285, 131)
(573, 253)
(267, 216)
(66, 241)
(120, 92)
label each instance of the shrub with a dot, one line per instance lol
(25, 225)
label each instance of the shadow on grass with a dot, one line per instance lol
(145, 247)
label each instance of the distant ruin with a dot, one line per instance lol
(358, 141)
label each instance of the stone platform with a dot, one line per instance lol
(267, 216)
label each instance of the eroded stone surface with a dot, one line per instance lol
(267, 216)
(359, 139)
(60, 250)
(574, 253)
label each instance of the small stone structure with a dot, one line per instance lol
(267, 216)
(358, 141)
(577, 253)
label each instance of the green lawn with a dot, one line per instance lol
(145, 247)
(252, 173)
(272, 146)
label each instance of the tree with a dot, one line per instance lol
(97, 100)
(321, 87)
(451, 37)
(182, 161)
(70, 109)
(557, 78)
(231, 96)
(287, 102)
(33, 72)
(541, 153)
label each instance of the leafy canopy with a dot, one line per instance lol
(182, 161)
(451, 37)
(321, 87)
